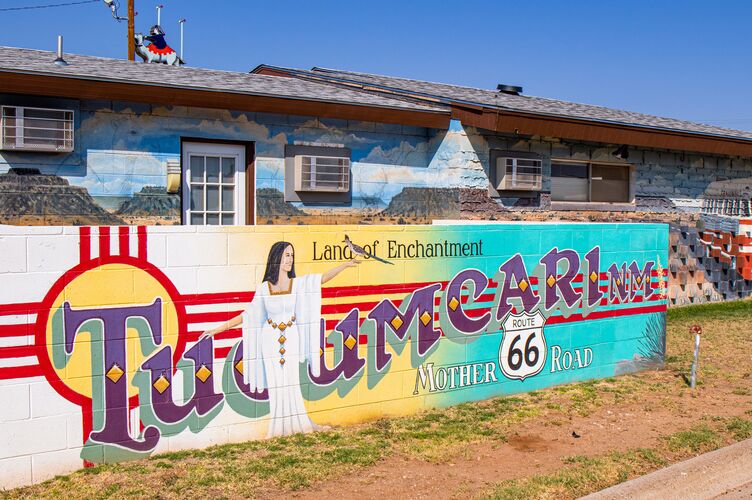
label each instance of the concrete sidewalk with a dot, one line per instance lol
(725, 473)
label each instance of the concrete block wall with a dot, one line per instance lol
(452, 305)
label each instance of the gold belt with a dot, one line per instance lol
(281, 327)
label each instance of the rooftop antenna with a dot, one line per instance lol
(182, 23)
(60, 61)
(159, 14)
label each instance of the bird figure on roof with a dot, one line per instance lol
(157, 51)
(359, 250)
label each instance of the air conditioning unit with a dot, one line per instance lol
(322, 174)
(519, 174)
(36, 129)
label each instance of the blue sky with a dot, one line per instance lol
(686, 59)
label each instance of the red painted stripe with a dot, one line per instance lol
(21, 372)
(141, 231)
(124, 241)
(627, 311)
(209, 317)
(19, 308)
(104, 241)
(216, 298)
(233, 333)
(14, 330)
(84, 244)
(17, 351)
(221, 352)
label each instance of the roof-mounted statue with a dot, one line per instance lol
(157, 51)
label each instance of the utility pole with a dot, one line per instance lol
(131, 31)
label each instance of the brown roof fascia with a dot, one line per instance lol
(52, 86)
(548, 126)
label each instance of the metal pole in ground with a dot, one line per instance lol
(697, 330)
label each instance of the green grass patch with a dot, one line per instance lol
(741, 308)
(698, 438)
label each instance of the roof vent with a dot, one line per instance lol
(509, 89)
(60, 61)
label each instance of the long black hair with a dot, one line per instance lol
(274, 260)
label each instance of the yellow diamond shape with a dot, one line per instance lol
(639, 280)
(425, 318)
(321, 351)
(618, 282)
(282, 350)
(593, 277)
(282, 327)
(161, 384)
(203, 373)
(350, 342)
(282, 361)
(396, 322)
(239, 366)
(551, 280)
(281, 339)
(114, 373)
(523, 285)
(454, 303)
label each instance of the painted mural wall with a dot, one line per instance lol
(117, 173)
(103, 355)
(400, 175)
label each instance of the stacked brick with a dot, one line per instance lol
(712, 264)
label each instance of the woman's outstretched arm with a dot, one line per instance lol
(232, 323)
(331, 273)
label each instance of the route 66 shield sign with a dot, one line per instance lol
(523, 350)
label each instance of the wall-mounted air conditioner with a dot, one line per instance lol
(519, 174)
(36, 129)
(322, 174)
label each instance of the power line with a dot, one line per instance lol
(47, 6)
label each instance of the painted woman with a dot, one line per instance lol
(281, 330)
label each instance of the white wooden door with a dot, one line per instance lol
(214, 184)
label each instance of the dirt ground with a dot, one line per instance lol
(538, 446)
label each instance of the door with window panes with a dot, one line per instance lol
(214, 181)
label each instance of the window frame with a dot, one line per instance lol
(20, 138)
(313, 180)
(318, 197)
(245, 195)
(494, 186)
(617, 205)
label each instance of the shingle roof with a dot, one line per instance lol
(28, 61)
(524, 103)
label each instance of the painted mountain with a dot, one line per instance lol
(28, 197)
(153, 204)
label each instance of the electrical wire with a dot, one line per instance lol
(7, 9)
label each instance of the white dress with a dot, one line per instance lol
(281, 331)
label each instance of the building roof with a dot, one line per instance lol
(445, 93)
(100, 69)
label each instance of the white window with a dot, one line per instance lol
(322, 174)
(590, 182)
(521, 174)
(214, 191)
(36, 129)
